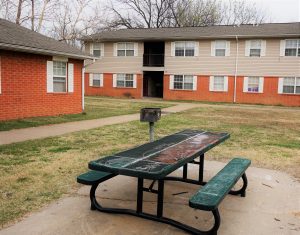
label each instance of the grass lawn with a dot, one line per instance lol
(34, 173)
(95, 107)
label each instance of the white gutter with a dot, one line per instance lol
(236, 68)
(82, 87)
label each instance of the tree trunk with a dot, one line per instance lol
(42, 15)
(19, 11)
(32, 15)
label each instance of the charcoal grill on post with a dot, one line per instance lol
(150, 115)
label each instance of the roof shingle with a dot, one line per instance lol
(276, 30)
(18, 38)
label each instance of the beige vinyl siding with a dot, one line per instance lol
(270, 65)
(114, 64)
(204, 64)
(87, 50)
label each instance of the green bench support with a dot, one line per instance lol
(94, 178)
(211, 194)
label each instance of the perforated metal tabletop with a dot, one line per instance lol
(157, 159)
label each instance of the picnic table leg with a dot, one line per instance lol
(139, 200)
(185, 168)
(201, 168)
(160, 198)
(93, 197)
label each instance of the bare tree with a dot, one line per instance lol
(238, 12)
(141, 13)
(72, 22)
(65, 20)
(197, 13)
(181, 13)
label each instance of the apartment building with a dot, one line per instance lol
(256, 64)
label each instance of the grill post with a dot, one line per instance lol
(151, 131)
(150, 115)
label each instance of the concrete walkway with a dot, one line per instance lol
(271, 207)
(19, 135)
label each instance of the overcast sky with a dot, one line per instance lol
(279, 10)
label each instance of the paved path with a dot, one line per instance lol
(19, 135)
(271, 207)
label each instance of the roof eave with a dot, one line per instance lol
(20, 48)
(187, 38)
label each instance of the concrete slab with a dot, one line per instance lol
(272, 206)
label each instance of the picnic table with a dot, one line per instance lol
(156, 161)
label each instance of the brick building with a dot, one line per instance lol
(39, 76)
(257, 64)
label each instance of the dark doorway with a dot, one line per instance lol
(153, 84)
(154, 53)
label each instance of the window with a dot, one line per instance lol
(184, 48)
(183, 82)
(255, 48)
(220, 48)
(218, 83)
(253, 84)
(125, 49)
(97, 49)
(291, 85)
(59, 76)
(125, 80)
(97, 79)
(292, 47)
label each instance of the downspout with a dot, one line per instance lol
(82, 92)
(236, 68)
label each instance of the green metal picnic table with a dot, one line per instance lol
(155, 161)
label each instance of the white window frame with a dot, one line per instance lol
(61, 76)
(125, 49)
(297, 48)
(295, 85)
(218, 47)
(255, 47)
(96, 77)
(125, 77)
(215, 47)
(185, 48)
(97, 46)
(212, 83)
(184, 82)
(249, 46)
(247, 82)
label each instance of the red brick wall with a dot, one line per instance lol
(24, 88)
(202, 93)
(109, 90)
(269, 96)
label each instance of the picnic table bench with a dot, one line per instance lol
(156, 160)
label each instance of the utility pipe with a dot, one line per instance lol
(236, 68)
(82, 86)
